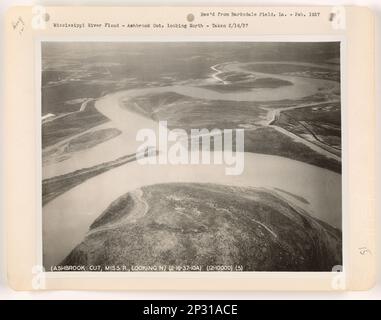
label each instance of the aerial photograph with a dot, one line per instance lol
(131, 137)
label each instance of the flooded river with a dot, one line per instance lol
(67, 218)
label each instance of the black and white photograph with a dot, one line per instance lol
(191, 156)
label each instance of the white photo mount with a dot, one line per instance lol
(28, 27)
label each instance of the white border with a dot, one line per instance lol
(203, 274)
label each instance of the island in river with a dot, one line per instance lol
(282, 214)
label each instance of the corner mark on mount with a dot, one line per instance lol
(18, 25)
(364, 250)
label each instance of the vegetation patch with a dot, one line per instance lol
(187, 224)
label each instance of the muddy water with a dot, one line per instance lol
(130, 122)
(67, 218)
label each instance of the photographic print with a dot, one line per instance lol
(191, 156)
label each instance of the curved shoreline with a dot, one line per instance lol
(129, 122)
(71, 214)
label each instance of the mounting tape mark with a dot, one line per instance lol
(40, 17)
(337, 18)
